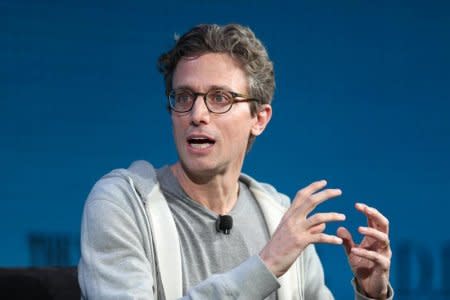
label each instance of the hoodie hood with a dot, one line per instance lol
(143, 175)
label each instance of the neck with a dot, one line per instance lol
(219, 192)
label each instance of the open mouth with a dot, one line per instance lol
(200, 142)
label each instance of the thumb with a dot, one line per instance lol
(347, 239)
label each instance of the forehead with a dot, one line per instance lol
(209, 70)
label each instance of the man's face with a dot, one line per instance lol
(208, 143)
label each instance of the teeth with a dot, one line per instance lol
(200, 146)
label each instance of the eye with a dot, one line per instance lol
(220, 97)
(183, 97)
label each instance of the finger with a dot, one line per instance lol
(376, 234)
(347, 239)
(322, 196)
(307, 204)
(373, 256)
(318, 228)
(363, 208)
(314, 187)
(306, 192)
(324, 218)
(376, 219)
(302, 195)
(324, 238)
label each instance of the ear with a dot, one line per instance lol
(262, 119)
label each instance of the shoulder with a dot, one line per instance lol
(266, 188)
(121, 187)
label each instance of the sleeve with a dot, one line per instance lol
(360, 296)
(113, 262)
(314, 287)
(249, 280)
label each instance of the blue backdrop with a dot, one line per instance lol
(362, 99)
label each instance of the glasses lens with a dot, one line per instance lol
(219, 101)
(181, 101)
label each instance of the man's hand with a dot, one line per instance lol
(371, 260)
(297, 230)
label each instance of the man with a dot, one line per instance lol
(161, 234)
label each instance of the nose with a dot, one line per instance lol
(199, 112)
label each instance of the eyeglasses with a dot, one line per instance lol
(217, 101)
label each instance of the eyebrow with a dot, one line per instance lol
(213, 87)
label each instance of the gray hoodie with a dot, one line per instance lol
(130, 247)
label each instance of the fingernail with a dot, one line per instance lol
(357, 249)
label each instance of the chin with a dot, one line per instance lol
(201, 169)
